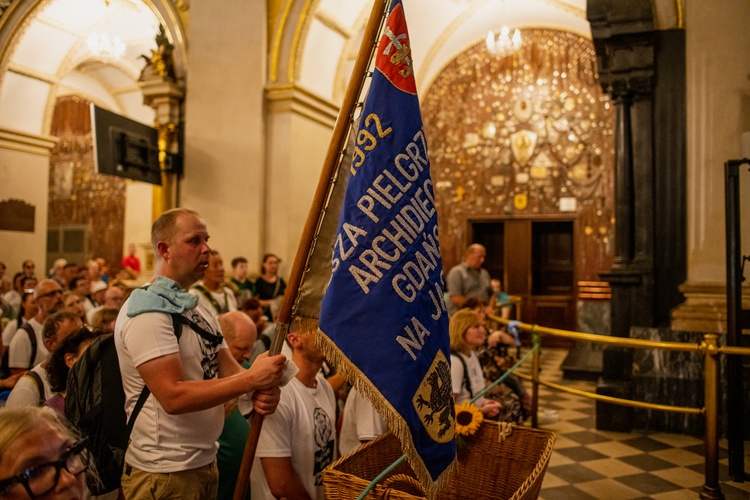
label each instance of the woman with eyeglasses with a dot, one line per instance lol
(40, 457)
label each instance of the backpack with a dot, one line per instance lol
(5, 369)
(95, 404)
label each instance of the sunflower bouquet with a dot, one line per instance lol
(468, 420)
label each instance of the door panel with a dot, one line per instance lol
(518, 258)
(492, 236)
(537, 261)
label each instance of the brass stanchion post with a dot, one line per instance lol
(711, 488)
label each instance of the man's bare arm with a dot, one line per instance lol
(282, 480)
(164, 377)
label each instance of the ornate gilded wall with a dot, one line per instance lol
(530, 134)
(77, 194)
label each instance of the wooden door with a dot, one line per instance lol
(536, 259)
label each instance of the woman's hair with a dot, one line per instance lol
(69, 293)
(459, 323)
(473, 303)
(103, 317)
(17, 277)
(15, 422)
(57, 369)
(22, 309)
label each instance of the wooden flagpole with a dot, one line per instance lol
(330, 165)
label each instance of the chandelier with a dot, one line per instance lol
(104, 47)
(504, 44)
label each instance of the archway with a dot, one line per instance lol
(44, 57)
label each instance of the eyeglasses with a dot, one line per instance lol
(50, 294)
(29, 266)
(41, 479)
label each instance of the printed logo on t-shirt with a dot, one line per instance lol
(209, 352)
(323, 442)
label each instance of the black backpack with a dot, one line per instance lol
(95, 404)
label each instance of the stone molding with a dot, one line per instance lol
(705, 307)
(295, 99)
(27, 143)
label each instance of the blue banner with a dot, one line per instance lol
(383, 315)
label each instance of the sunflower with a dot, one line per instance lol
(468, 418)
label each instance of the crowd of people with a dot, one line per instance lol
(207, 373)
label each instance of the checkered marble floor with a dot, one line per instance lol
(591, 464)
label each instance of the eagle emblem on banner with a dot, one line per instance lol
(433, 400)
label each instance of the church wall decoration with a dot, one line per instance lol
(527, 135)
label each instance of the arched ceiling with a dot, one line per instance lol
(439, 31)
(50, 58)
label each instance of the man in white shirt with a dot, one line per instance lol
(360, 423)
(173, 442)
(48, 296)
(28, 391)
(298, 441)
(212, 293)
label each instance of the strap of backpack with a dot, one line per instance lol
(32, 338)
(39, 385)
(177, 325)
(178, 320)
(467, 381)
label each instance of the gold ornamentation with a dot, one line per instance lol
(523, 143)
(520, 201)
(161, 61)
(478, 115)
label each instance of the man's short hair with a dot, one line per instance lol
(163, 228)
(75, 281)
(214, 252)
(238, 260)
(51, 324)
(475, 247)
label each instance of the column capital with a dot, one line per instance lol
(165, 97)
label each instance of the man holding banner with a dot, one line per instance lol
(383, 319)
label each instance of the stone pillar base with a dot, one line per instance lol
(705, 307)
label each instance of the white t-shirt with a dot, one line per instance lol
(303, 428)
(360, 423)
(20, 347)
(476, 377)
(26, 392)
(13, 299)
(10, 330)
(163, 443)
(225, 299)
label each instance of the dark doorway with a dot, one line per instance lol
(535, 258)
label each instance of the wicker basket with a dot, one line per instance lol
(513, 469)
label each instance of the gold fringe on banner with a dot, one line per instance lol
(393, 419)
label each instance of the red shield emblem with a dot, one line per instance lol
(394, 53)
